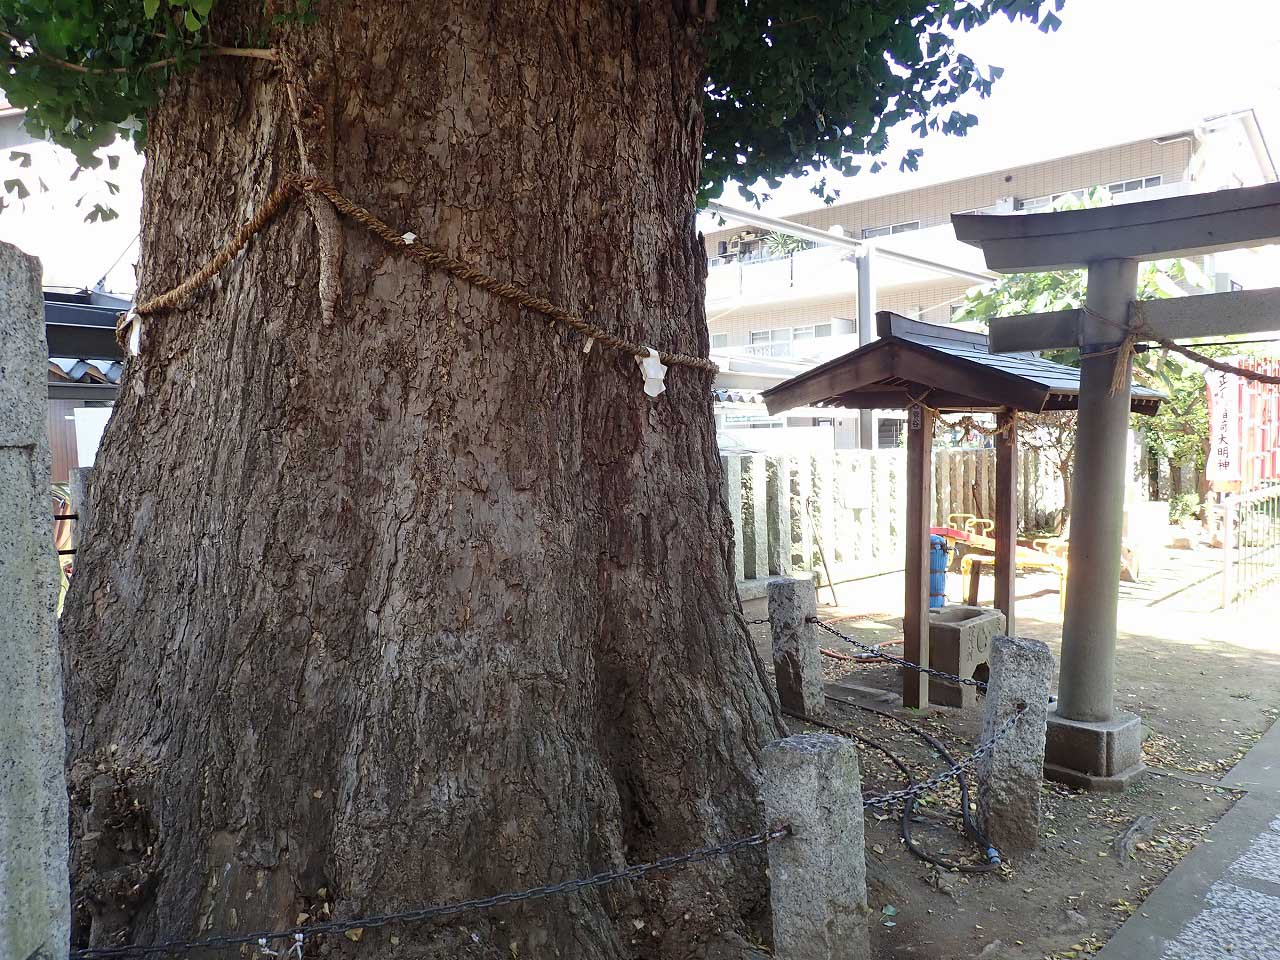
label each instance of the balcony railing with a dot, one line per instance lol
(805, 272)
(816, 349)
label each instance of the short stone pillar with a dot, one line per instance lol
(81, 479)
(818, 875)
(35, 909)
(1009, 777)
(797, 662)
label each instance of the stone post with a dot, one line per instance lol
(34, 899)
(797, 664)
(81, 503)
(731, 469)
(1009, 776)
(817, 876)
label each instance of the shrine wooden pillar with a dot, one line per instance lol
(1006, 515)
(915, 610)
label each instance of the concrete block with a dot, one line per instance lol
(817, 876)
(1094, 755)
(1009, 777)
(34, 892)
(959, 643)
(797, 664)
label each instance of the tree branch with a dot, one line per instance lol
(252, 52)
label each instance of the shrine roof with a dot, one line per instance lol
(944, 367)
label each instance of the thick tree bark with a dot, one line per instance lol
(393, 595)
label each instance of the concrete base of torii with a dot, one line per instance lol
(1105, 755)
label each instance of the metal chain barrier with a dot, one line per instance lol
(940, 674)
(888, 800)
(297, 934)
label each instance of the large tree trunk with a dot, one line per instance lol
(393, 595)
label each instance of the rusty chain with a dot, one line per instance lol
(940, 674)
(420, 915)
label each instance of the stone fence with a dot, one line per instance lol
(847, 505)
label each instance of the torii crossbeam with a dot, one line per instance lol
(1089, 743)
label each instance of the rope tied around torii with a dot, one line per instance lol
(292, 187)
(1141, 330)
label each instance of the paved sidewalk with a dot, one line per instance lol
(1222, 902)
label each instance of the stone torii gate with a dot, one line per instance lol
(1090, 744)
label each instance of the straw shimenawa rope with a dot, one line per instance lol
(292, 187)
(1141, 330)
(966, 422)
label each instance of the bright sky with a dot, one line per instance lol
(51, 225)
(1116, 70)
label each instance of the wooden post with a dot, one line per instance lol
(915, 611)
(975, 581)
(1006, 515)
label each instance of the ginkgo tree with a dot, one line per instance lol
(396, 592)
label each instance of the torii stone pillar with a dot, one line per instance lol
(1089, 743)
(35, 913)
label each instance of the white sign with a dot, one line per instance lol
(90, 422)
(1223, 464)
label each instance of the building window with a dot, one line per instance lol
(782, 335)
(811, 331)
(905, 227)
(722, 248)
(889, 433)
(1128, 186)
(719, 340)
(1120, 186)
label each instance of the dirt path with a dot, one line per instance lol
(1207, 685)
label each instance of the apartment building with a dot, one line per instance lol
(800, 303)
